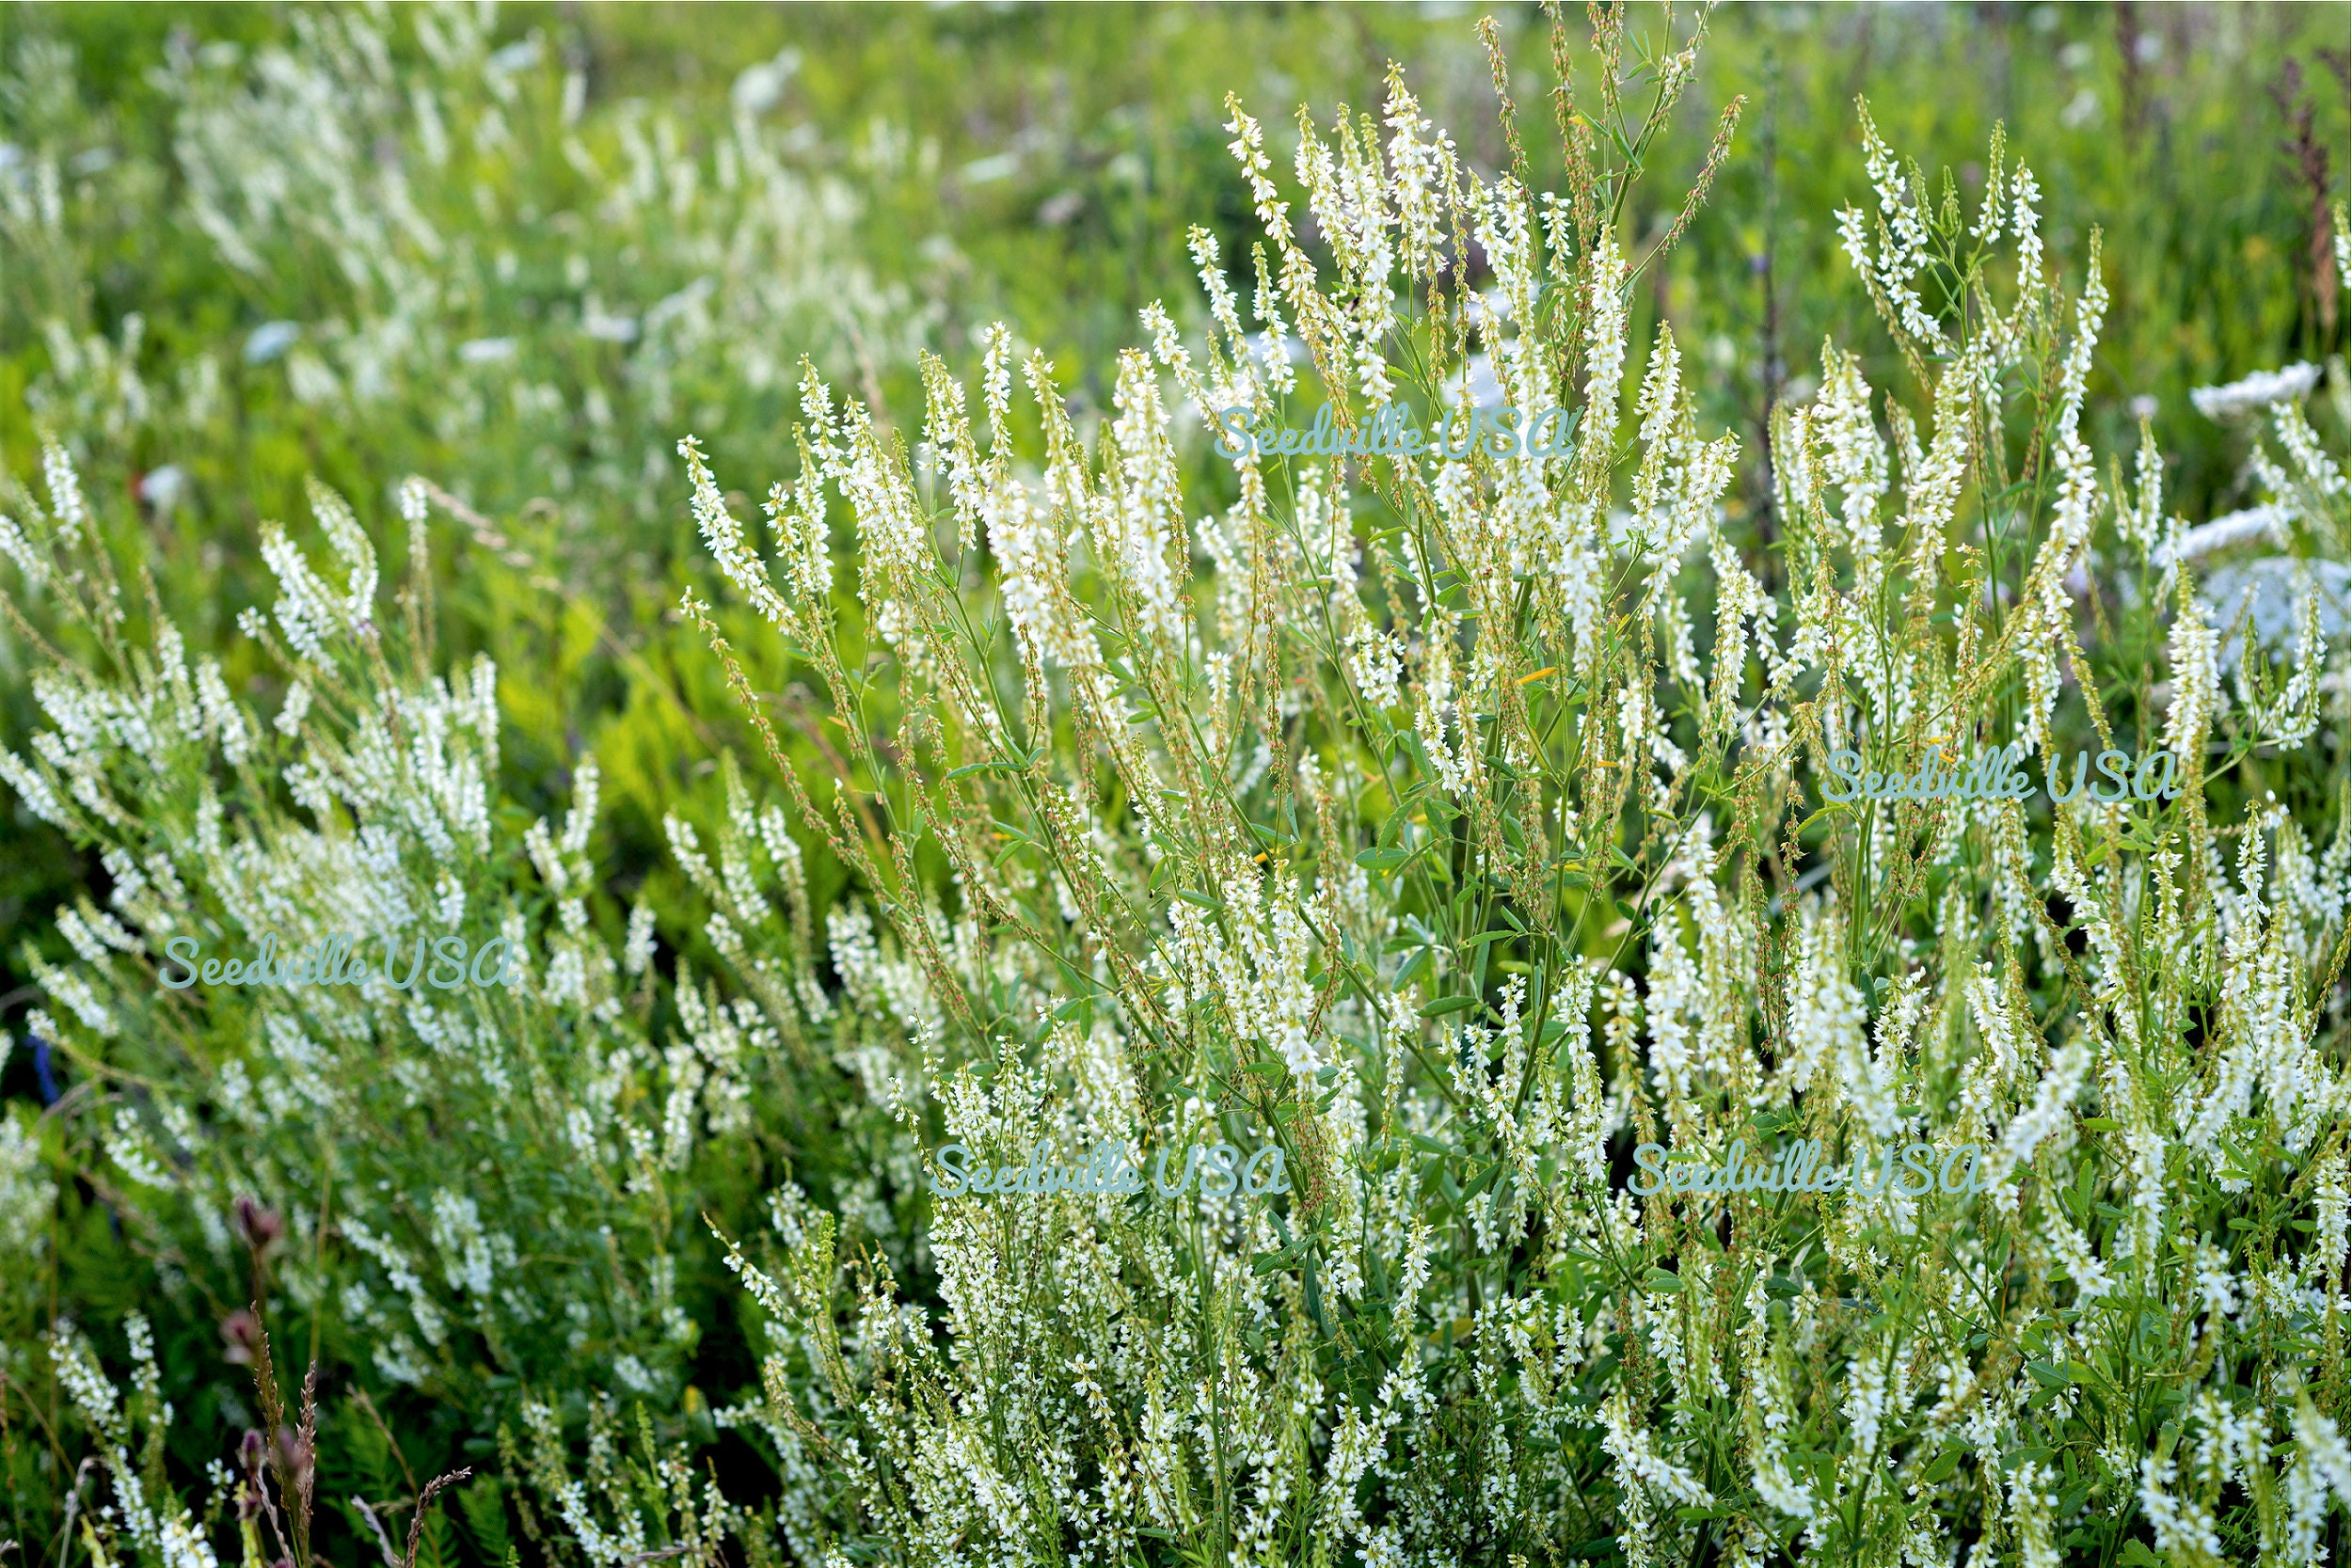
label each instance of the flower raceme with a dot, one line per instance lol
(330, 963)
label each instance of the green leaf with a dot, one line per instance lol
(1382, 860)
(1445, 1004)
(485, 1520)
(1944, 1464)
(1661, 1279)
(2080, 1197)
(1191, 897)
(2045, 1375)
(2137, 1555)
(2102, 1124)
(992, 766)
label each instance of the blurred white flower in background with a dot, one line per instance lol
(2259, 390)
(2234, 528)
(162, 487)
(270, 340)
(760, 88)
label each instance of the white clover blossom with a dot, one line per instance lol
(725, 535)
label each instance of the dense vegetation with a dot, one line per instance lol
(1451, 826)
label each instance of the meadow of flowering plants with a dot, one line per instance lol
(1450, 826)
(519, 249)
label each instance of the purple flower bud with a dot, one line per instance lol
(258, 1226)
(243, 1331)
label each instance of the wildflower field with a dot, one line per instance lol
(751, 811)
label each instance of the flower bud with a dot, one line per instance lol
(243, 1331)
(258, 1226)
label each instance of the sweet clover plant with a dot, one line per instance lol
(1450, 823)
